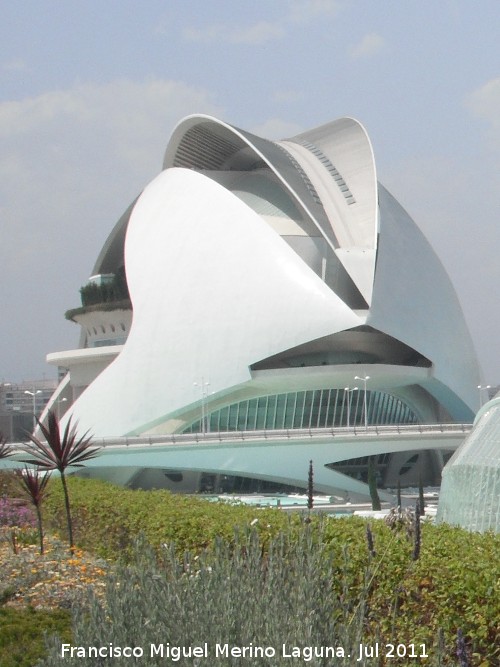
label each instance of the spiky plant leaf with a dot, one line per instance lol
(33, 484)
(53, 452)
(5, 449)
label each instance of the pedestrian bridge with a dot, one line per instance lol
(276, 455)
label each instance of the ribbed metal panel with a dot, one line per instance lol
(333, 171)
(201, 148)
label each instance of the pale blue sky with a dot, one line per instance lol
(90, 91)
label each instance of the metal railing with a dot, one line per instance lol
(223, 437)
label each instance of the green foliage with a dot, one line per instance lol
(239, 594)
(124, 304)
(107, 518)
(111, 295)
(304, 588)
(22, 636)
(116, 290)
(9, 486)
(454, 584)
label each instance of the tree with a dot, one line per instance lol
(54, 452)
(34, 485)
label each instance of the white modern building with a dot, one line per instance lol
(260, 284)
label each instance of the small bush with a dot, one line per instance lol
(239, 595)
(23, 634)
(16, 520)
(14, 513)
(8, 484)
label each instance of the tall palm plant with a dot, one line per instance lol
(53, 452)
(35, 486)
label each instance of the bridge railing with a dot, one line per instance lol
(221, 437)
(282, 434)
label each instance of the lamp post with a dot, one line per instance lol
(365, 408)
(33, 394)
(62, 400)
(348, 390)
(480, 388)
(205, 425)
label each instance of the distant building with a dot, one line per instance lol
(262, 284)
(19, 401)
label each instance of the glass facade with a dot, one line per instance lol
(318, 408)
(470, 490)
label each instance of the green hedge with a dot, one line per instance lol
(107, 518)
(454, 584)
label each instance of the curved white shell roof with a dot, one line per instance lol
(243, 250)
(227, 292)
(321, 168)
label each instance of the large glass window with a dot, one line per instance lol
(318, 408)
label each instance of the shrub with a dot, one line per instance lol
(15, 514)
(238, 595)
(15, 518)
(454, 583)
(116, 290)
(9, 485)
(107, 519)
(291, 591)
(22, 639)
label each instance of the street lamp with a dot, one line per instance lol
(365, 380)
(347, 391)
(205, 425)
(61, 400)
(33, 394)
(480, 388)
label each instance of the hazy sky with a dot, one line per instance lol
(91, 90)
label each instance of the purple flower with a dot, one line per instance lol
(15, 514)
